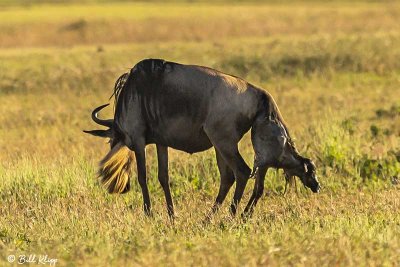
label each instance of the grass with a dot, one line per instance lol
(333, 73)
(69, 25)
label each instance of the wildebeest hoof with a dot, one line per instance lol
(245, 216)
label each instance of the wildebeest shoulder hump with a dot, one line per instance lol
(151, 66)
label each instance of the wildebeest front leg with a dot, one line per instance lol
(141, 170)
(257, 192)
(227, 180)
(163, 178)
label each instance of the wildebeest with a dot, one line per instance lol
(193, 108)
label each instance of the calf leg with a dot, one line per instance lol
(141, 170)
(290, 182)
(257, 192)
(227, 180)
(163, 178)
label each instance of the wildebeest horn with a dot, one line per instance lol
(107, 123)
(100, 133)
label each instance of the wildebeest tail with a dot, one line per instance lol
(115, 169)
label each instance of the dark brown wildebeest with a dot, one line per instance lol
(193, 108)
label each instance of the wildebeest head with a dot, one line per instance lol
(109, 133)
(108, 123)
(274, 148)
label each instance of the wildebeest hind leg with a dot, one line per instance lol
(257, 192)
(163, 178)
(227, 180)
(240, 169)
(225, 143)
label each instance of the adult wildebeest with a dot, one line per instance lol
(192, 108)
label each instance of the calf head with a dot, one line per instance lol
(273, 148)
(306, 171)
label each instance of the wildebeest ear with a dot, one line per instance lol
(305, 167)
(100, 133)
(282, 140)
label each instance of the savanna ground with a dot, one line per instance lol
(333, 68)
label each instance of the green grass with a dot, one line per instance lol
(337, 86)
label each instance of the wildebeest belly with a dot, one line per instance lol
(179, 133)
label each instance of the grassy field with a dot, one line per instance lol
(333, 69)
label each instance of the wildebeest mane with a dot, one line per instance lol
(149, 66)
(119, 84)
